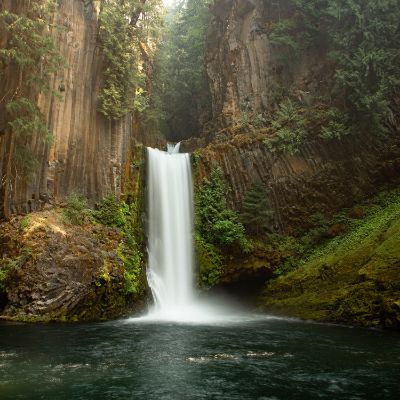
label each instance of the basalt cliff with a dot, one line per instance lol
(88, 152)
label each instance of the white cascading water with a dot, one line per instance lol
(170, 271)
(170, 245)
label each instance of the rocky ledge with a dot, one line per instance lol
(51, 270)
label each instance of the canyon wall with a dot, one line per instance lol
(246, 69)
(247, 73)
(322, 177)
(88, 152)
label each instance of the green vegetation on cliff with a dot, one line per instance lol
(76, 210)
(256, 213)
(352, 278)
(128, 29)
(216, 222)
(10, 264)
(210, 261)
(125, 215)
(357, 41)
(181, 98)
(218, 227)
(293, 124)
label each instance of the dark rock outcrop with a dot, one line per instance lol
(61, 272)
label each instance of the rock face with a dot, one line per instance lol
(88, 151)
(246, 69)
(246, 72)
(249, 76)
(322, 177)
(59, 271)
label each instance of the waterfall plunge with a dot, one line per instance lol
(170, 191)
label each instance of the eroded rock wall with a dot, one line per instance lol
(247, 74)
(246, 69)
(58, 271)
(322, 177)
(88, 151)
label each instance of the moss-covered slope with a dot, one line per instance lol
(353, 278)
(64, 265)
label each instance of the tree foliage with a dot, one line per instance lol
(128, 29)
(289, 127)
(293, 124)
(256, 213)
(361, 38)
(181, 99)
(30, 49)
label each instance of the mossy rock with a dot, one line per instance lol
(353, 279)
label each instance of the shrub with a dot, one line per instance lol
(75, 211)
(288, 127)
(210, 262)
(24, 222)
(215, 222)
(336, 124)
(8, 265)
(111, 212)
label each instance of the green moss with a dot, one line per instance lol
(353, 278)
(210, 263)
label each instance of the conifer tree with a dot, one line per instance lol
(256, 212)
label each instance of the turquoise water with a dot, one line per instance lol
(261, 359)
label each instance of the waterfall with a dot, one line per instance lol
(170, 231)
(170, 271)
